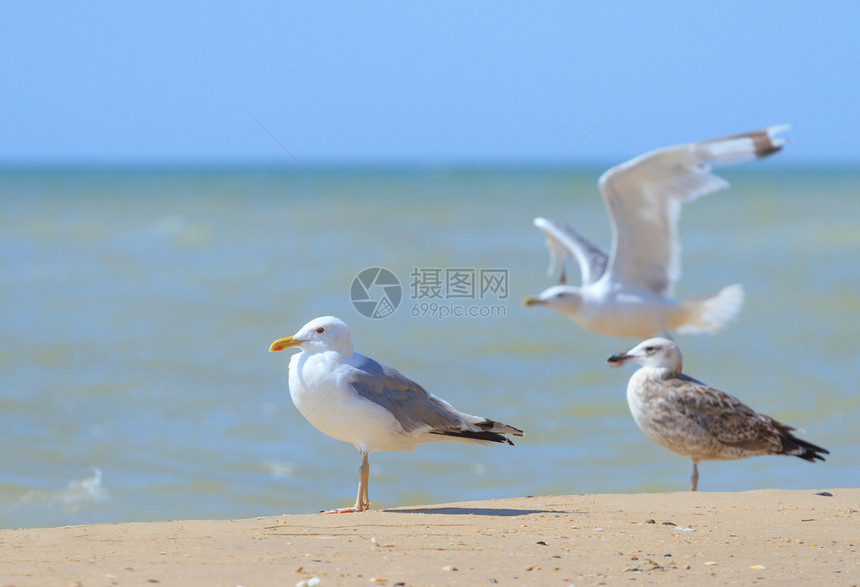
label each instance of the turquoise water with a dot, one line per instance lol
(138, 306)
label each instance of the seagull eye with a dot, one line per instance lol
(320, 330)
(650, 349)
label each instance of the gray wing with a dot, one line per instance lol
(563, 242)
(407, 401)
(726, 418)
(644, 197)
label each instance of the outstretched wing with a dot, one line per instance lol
(563, 242)
(644, 197)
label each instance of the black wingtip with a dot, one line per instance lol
(475, 435)
(792, 445)
(767, 150)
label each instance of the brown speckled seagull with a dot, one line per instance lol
(695, 420)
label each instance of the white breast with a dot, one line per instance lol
(337, 410)
(619, 313)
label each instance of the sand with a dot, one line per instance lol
(776, 537)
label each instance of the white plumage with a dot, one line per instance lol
(629, 291)
(358, 400)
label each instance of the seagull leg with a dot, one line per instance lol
(362, 503)
(695, 477)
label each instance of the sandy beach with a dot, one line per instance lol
(769, 536)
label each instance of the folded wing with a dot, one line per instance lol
(416, 409)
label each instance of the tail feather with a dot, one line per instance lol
(712, 312)
(797, 447)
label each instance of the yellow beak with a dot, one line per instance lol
(532, 301)
(285, 343)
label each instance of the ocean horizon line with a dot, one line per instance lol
(379, 166)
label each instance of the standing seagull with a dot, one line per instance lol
(355, 399)
(695, 420)
(628, 292)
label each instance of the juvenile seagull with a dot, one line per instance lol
(355, 399)
(629, 292)
(695, 420)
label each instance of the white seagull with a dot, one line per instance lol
(356, 399)
(695, 420)
(629, 292)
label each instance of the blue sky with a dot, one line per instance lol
(434, 82)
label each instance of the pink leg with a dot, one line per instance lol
(363, 497)
(362, 502)
(695, 478)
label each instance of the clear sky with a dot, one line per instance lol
(420, 82)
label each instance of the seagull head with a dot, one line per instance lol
(326, 333)
(564, 299)
(657, 353)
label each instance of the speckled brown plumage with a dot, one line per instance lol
(696, 420)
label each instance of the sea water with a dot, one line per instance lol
(137, 306)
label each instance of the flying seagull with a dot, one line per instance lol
(356, 399)
(629, 291)
(695, 420)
